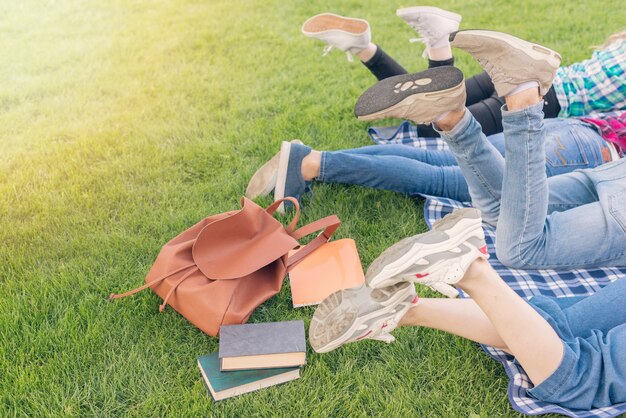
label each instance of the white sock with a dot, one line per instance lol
(524, 86)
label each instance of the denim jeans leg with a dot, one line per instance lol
(394, 173)
(602, 310)
(481, 163)
(432, 157)
(526, 237)
(524, 205)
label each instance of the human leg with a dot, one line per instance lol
(461, 317)
(432, 157)
(527, 335)
(380, 64)
(480, 162)
(526, 235)
(395, 173)
(448, 256)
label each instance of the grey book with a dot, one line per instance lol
(262, 346)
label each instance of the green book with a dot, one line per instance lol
(224, 385)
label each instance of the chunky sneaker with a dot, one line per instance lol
(432, 23)
(437, 258)
(420, 97)
(289, 180)
(345, 33)
(360, 313)
(510, 61)
(263, 180)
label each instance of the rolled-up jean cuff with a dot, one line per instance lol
(322, 173)
(550, 389)
(458, 129)
(535, 110)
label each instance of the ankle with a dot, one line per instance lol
(440, 53)
(410, 318)
(311, 165)
(523, 99)
(367, 53)
(450, 120)
(475, 275)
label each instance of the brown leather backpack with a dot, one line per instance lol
(219, 270)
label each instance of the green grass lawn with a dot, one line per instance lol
(122, 123)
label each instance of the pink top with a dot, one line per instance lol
(612, 127)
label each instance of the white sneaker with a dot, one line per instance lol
(437, 258)
(432, 23)
(347, 34)
(360, 313)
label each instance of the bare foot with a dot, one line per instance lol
(311, 165)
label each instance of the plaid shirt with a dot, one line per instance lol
(612, 127)
(594, 85)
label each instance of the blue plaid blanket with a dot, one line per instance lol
(526, 283)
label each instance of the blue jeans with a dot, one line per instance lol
(592, 373)
(411, 171)
(567, 221)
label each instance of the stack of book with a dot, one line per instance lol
(254, 356)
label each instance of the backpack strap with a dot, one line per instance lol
(173, 288)
(329, 225)
(150, 284)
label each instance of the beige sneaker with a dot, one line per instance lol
(347, 34)
(420, 97)
(510, 61)
(263, 180)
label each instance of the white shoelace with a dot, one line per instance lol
(329, 48)
(428, 36)
(422, 40)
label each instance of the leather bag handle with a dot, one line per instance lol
(272, 208)
(329, 225)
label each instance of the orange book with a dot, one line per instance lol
(333, 266)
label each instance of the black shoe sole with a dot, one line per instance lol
(391, 91)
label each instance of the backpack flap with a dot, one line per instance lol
(241, 243)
